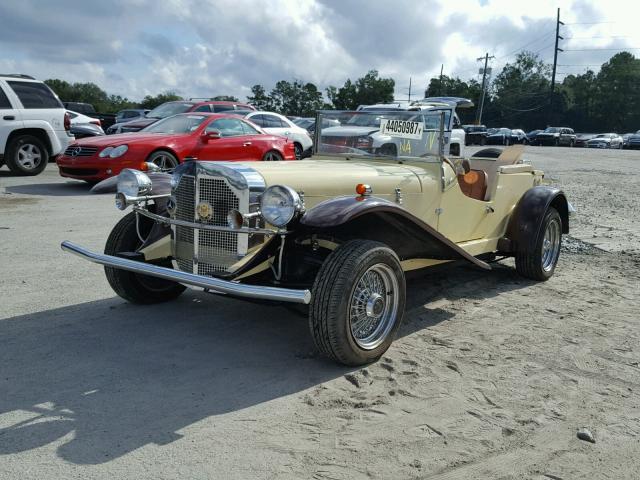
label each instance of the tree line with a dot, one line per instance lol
(518, 97)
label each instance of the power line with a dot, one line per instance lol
(519, 49)
(597, 36)
(603, 49)
(586, 23)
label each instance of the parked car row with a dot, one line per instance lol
(551, 136)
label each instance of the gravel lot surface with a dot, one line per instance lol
(492, 375)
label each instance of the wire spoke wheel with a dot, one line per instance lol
(373, 306)
(29, 156)
(551, 245)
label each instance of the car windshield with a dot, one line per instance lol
(552, 130)
(167, 109)
(406, 134)
(176, 124)
(502, 131)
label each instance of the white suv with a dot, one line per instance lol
(34, 126)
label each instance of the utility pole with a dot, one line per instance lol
(409, 90)
(484, 87)
(441, 69)
(555, 61)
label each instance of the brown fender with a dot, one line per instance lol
(525, 223)
(379, 219)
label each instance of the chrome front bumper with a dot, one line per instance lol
(214, 285)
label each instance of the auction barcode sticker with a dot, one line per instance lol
(401, 128)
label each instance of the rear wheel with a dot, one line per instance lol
(272, 156)
(165, 160)
(298, 150)
(358, 302)
(27, 155)
(540, 262)
(131, 286)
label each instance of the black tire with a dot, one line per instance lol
(334, 292)
(388, 150)
(298, 150)
(272, 156)
(531, 264)
(167, 161)
(26, 155)
(134, 287)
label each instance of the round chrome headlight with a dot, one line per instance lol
(118, 151)
(105, 152)
(279, 205)
(133, 183)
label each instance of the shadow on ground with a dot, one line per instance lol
(121, 376)
(66, 189)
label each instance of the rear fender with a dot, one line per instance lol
(526, 220)
(379, 219)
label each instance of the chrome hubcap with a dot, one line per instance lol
(551, 245)
(29, 156)
(373, 307)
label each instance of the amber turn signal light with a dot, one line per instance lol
(363, 189)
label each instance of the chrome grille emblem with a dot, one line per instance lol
(205, 211)
(76, 151)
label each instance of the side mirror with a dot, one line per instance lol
(211, 135)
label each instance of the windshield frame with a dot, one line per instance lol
(167, 105)
(173, 118)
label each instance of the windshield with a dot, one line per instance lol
(552, 130)
(396, 134)
(167, 109)
(177, 124)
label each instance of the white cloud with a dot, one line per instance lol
(212, 47)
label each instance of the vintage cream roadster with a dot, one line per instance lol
(336, 232)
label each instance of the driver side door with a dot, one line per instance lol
(233, 144)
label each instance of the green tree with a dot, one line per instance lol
(367, 90)
(455, 87)
(150, 101)
(225, 98)
(260, 99)
(519, 96)
(296, 98)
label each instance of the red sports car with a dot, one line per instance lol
(200, 136)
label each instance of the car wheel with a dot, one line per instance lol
(272, 156)
(298, 150)
(134, 287)
(454, 150)
(27, 155)
(540, 263)
(556, 142)
(165, 160)
(358, 300)
(388, 150)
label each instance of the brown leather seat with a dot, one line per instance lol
(474, 184)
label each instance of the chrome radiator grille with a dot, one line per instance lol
(207, 252)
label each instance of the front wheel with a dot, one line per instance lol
(298, 151)
(27, 155)
(134, 287)
(272, 156)
(540, 262)
(165, 160)
(358, 302)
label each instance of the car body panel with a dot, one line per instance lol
(142, 144)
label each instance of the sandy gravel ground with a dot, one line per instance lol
(491, 376)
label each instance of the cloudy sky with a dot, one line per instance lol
(223, 47)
